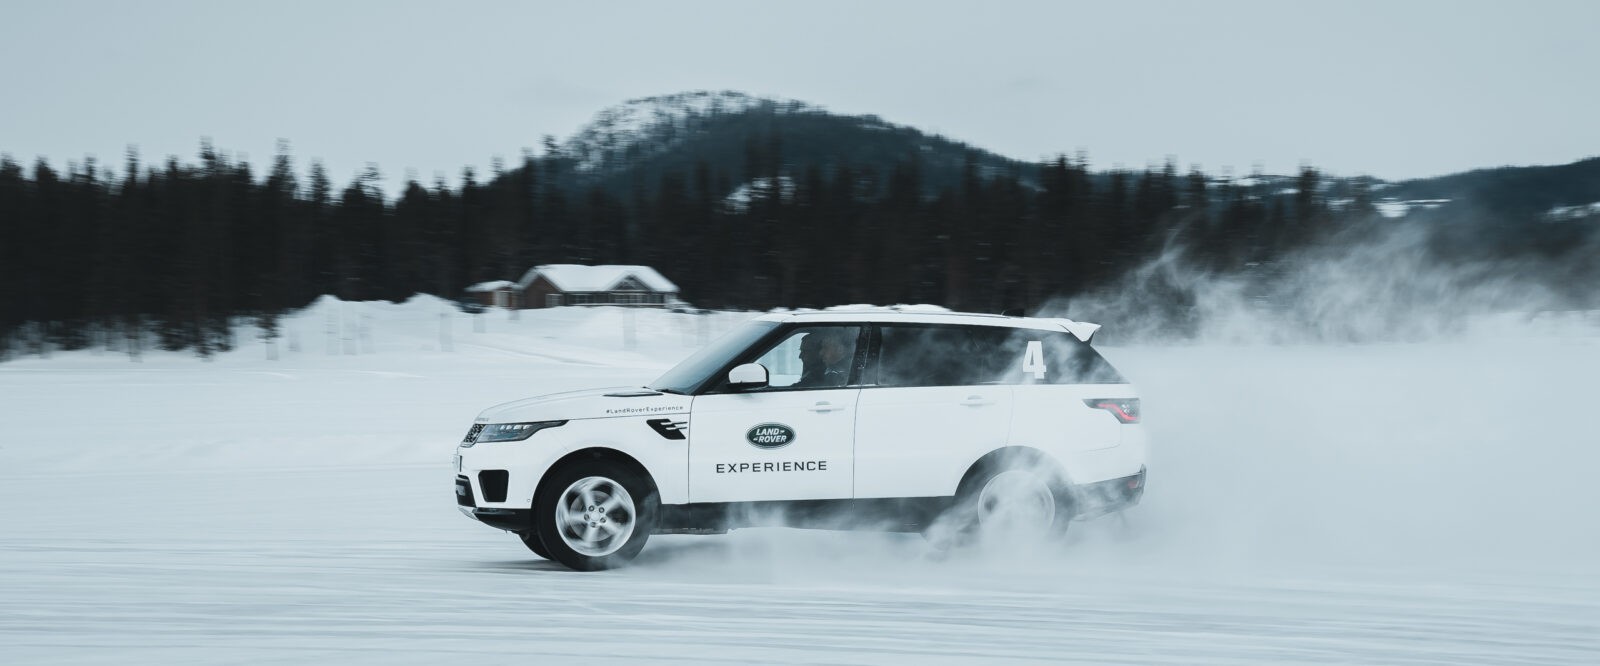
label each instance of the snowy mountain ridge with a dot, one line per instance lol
(642, 137)
(629, 129)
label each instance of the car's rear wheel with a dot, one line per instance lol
(1018, 502)
(1013, 504)
(594, 514)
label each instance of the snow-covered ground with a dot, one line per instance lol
(1396, 503)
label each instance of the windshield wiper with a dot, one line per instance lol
(666, 390)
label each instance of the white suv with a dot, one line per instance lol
(844, 420)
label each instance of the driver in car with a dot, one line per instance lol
(827, 359)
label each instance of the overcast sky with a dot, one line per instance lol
(1393, 89)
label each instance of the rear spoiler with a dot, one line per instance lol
(1083, 330)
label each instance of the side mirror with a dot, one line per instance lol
(747, 376)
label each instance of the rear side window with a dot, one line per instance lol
(1057, 357)
(940, 355)
(910, 355)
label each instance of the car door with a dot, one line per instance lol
(932, 402)
(791, 440)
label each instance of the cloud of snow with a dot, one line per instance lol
(1386, 287)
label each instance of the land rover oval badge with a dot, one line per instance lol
(770, 435)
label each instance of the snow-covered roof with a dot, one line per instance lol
(492, 285)
(575, 277)
(933, 314)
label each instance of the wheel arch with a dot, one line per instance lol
(597, 453)
(1008, 457)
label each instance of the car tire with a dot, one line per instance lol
(1019, 498)
(595, 514)
(534, 543)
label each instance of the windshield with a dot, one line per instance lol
(695, 370)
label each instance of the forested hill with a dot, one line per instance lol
(635, 145)
(1531, 193)
(1548, 217)
(743, 202)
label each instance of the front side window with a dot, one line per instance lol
(812, 357)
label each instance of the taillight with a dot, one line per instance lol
(1125, 409)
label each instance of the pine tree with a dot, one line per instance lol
(316, 225)
(17, 233)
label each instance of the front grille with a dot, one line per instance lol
(493, 483)
(464, 491)
(472, 435)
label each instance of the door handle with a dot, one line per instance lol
(976, 401)
(824, 406)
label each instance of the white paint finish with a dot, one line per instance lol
(824, 425)
(919, 441)
(528, 460)
(586, 404)
(1053, 417)
(1113, 462)
(1082, 329)
(916, 441)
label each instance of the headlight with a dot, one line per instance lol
(509, 432)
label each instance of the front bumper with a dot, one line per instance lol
(515, 520)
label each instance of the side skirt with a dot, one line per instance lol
(909, 514)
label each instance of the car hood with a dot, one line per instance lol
(589, 404)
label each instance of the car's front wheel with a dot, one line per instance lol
(593, 514)
(534, 543)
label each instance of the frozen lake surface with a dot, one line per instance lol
(1421, 503)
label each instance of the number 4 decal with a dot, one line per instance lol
(1033, 361)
